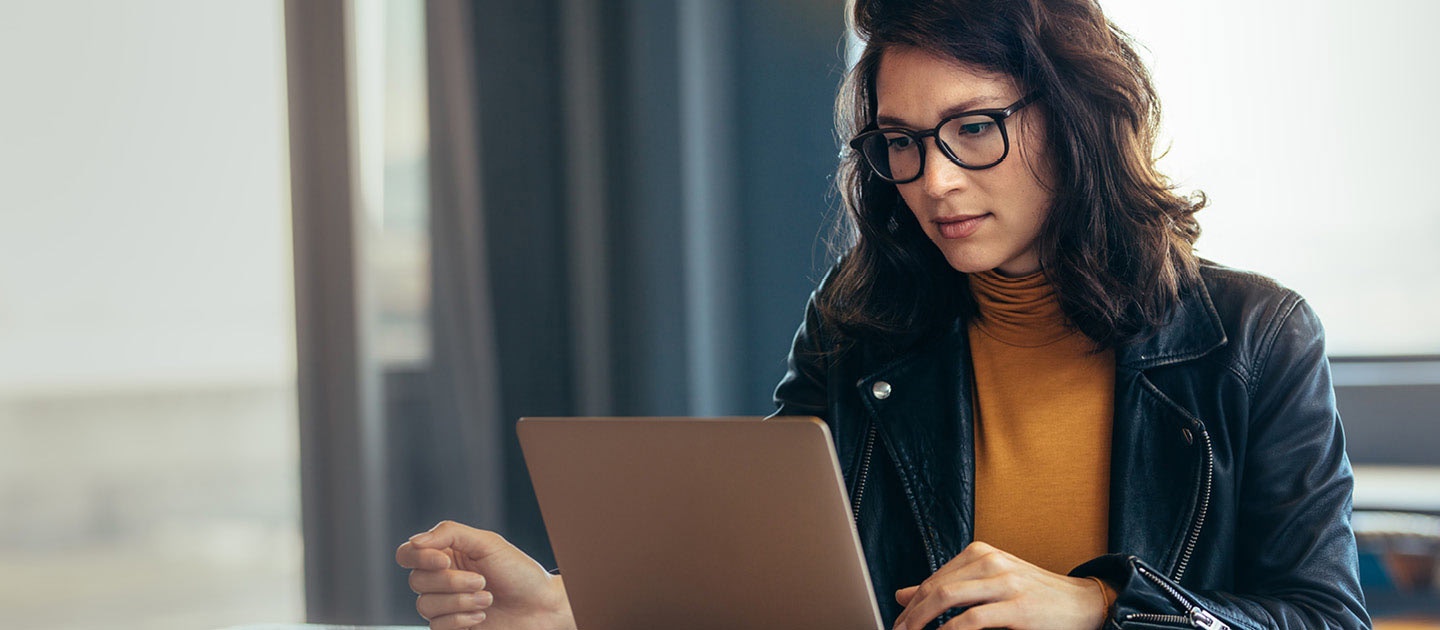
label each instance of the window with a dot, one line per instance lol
(1308, 124)
(148, 443)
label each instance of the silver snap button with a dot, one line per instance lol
(881, 390)
(1189, 437)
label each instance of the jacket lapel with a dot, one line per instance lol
(901, 400)
(1156, 463)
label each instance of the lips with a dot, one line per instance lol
(960, 227)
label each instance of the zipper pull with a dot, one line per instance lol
(1201, 619)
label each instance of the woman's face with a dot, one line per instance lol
(980, 220)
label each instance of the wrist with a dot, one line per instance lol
(1107, 599)
(560, 611)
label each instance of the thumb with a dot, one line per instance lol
(465, 539)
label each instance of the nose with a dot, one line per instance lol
(941, 177)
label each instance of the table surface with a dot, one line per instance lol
(318, 626)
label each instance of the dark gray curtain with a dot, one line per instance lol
(628, 210)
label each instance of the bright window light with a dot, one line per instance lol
(1310, 125)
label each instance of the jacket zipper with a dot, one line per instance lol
(860, 497)
(1195, 615)
(1173, 619)
(864, 473)
(1197, 618)
(1194, 538)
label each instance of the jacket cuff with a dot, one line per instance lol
(1145, 597)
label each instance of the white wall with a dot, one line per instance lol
(147, 410)
(143, 195)
(1311, 124)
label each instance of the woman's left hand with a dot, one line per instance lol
(1001, 591)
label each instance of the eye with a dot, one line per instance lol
(975, 128)
(899, 142)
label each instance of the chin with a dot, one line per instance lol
(969, 258)
(969, 263)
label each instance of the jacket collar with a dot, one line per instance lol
(1192, 331)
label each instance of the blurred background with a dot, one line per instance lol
(277, 278)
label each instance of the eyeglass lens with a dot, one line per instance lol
(976, 141)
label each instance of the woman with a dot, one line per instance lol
(1050, 413)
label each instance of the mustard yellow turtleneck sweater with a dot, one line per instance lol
(1045, 402)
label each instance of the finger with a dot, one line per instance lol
(932, 598)
(997, 615)
(979, 561)
(904, 595)
(446, 582)
(457, 622)
(970, 553)
(410, 556)
(434, 605)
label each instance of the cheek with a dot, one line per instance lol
(1036, 163)
(913, 200)
(912, 197)
(1030, 184)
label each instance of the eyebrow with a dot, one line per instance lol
(967, 105)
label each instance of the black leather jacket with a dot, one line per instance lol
(1230, 489)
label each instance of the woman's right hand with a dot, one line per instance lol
(468, 577)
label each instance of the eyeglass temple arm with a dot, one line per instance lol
(1029, 98)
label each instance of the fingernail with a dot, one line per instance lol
(477, 617)
(420, 538)
(476, 584)
(483, 599)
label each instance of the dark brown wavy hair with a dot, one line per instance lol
(1118, 241)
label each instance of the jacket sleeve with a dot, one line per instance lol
(802, 391)
(1296, 557)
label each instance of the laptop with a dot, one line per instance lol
(699, 523)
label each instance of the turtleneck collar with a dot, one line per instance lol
(1022, 311)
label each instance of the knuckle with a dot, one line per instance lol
(457, 582)
(925, 590)
(457, 621)
(1024, 608)
(949, 592)
(1011, 582)
(974, 619)
(957, 623)
(432, 606)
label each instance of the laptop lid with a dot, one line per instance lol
(699, 523)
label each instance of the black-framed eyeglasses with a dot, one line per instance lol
(973, 140)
